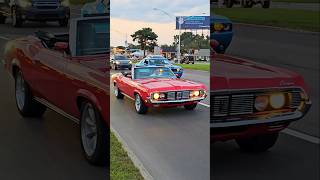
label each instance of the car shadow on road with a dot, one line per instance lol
(280, 162)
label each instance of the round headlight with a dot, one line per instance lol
(277, 101)
(156, 96)
(25, 3)
(65, 3)
(261, 103)
(117, 62)
(196, 93)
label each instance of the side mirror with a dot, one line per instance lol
(127, 74)
(61, 46)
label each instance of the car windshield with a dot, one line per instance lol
(159, 61)
(92, 37)
(153, 72)
(120, 58)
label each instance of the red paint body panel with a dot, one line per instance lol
(60, 79)
(231, 74)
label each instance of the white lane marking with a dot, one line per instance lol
(303, 136)
(144, 172)
(203, 104)
(277, 28)
(4, 38)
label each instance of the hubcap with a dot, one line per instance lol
(20, 91)
(138, 102)
(89, 130)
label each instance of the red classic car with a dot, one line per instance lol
(155, 86)
(68, 74)
(253, 102)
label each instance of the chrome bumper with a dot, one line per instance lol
(286, 117)
(177, 101)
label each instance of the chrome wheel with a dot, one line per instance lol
(138, 102)
(89, 130)
(116, 91)
(20, 91)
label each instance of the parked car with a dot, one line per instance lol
(247, 3)
(154, 86)
(158, 60)
(67, 73)
(187, 59)
(252, 102)
(34, 10)
(221, 31)
(119, 61)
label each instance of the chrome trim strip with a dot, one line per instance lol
(127, 96)
(177, 101)
(56, 109)
(291, 117)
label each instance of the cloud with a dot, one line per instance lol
(144, 9)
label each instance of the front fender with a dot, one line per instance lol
(83, 93)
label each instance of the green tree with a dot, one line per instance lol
(146, 38)
(192, 41)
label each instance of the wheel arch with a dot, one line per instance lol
(85, 95)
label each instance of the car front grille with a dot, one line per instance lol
(230, 106)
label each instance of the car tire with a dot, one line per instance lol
(16, 20)
(117, 92)
(190, 107)
(265, 4)
(27, 106)
(260, 143)
(115, 67)
(2, 19)
(64, 22)
(139, 105)
(94, 135)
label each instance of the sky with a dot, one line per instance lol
(128, 16)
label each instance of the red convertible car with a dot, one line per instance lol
(68, 74)
(253, 102)
(155, 86)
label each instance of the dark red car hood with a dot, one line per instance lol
(228, 72)
(161, 84)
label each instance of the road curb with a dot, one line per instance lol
(136, 161)
(277, 28)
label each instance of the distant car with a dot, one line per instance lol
(154, 86)
(247, 3)
(158, 60)
(120, 62)
(187, 59)
(34, 10)
(252, 102)
(221, 31)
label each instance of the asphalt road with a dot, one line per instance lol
(293, 157)
(171, 143)
(47, 148)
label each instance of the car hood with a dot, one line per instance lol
(160, 85)
(230, 72)
(123, 61)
